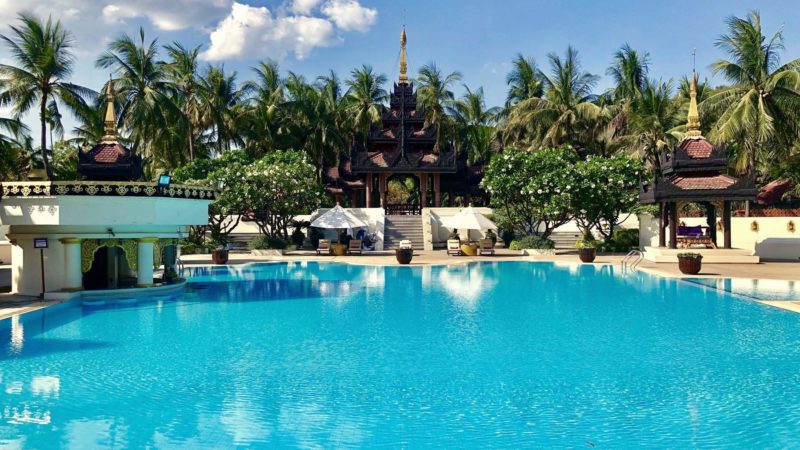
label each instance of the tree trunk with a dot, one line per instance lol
(191, 143)
(42, 118)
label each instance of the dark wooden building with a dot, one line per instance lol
(401, 146)
(695, 171)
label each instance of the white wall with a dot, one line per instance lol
(435, 234)
(773, 240)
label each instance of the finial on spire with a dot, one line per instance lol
(110, 121)
(693, 118)
(403, 63)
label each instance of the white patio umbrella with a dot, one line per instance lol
(338, 218)
(469, 219)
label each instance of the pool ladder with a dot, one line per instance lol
(632, 259)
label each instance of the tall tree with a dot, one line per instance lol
(43, 61)
(475, 124)
(365, 98)
(144, 89)
(564, 115)
(222, 103)
(760, 110)
(264, 118)
(524, 81)
(181, 71)
(434, 92)
(629, 70)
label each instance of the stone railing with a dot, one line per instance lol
(104, 188)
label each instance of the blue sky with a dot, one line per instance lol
(477, 38)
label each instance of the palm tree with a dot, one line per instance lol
(12, 143)
(654, 122)
(435, 95)
(564, 115)
(264, 117)
(760, 111)
(524, 81)
(145, 92)
(365, 98)
(43, 58)
(182, 73)
(222, 103)
(629, 71)
(475, 124)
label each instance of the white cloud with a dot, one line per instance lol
(168, 15)
(350, 15)
(255, 32)
(304, 6)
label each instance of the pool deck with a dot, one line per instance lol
(11, 304)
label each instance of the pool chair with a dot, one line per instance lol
(485, 247)
(323, 247)
(354, 246)
(405, 243)
(454, 247)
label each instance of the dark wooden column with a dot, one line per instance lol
(437, 193)
(450, 198)
(354, 198)
(662, 224)
(468, 199)
(726, 224)
(711, 221)
(423, 189)
(673, 224)
(382, 188)
(369, 191)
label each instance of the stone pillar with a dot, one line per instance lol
(73, 275)
(144, 261)
(423, 189)
(673, 224)
(369, 190)
(726, 224)
(437, 193)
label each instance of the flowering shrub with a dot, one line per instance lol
(279, 186)
(606, 188)
(533, 190)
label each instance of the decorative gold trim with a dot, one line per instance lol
(104, 188)
(69, 240)
(754, 226)
(790, 226)
(90, 246)
(146, 240)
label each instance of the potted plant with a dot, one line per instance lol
(507, 236)
(220, 255)
(690, 263)
(490, 234)
(404, 254)
(587, 247)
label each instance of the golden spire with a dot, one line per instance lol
(693, 118)
(403, 64)
(110, 121)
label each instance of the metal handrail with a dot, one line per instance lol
(632, 259)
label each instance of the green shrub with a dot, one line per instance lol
(454, 235)
(490, 234)
(264, 242)
(298, 237)
(534, 242)
(622, 241)
(314, 236)
(690, 255)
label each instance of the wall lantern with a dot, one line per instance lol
(719, 225)
(754, 226)
(790, 226)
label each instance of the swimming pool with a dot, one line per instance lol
(510, 354)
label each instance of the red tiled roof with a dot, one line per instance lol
(773, 191)
(696, 148)
(107, 153)
(702, 181)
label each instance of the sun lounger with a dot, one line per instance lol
(323, 247)
(454, 247)
(405, 243)
(485, 247)
(354, 246)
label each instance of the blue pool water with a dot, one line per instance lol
(486, 355)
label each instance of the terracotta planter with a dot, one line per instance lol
(219, 256)
(690, 266)
(587, 255)
(338, 249)
(404, 255)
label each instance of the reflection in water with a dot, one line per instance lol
(17, 335)
(466, 284)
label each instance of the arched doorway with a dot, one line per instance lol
(108, 263)
(402, 194)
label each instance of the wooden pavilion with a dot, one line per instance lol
(695, 171)
(403, 145)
